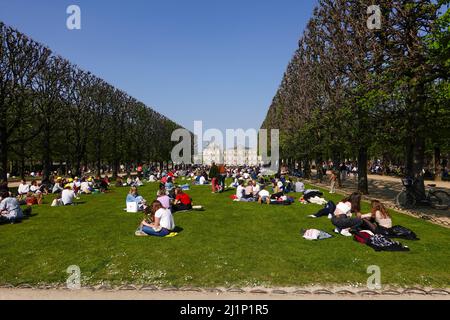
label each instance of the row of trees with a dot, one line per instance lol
(351, 92)
(51, 110)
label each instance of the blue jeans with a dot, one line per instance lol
(151, 232)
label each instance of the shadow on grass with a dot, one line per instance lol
(178, 229)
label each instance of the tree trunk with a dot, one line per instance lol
(98, 156)
(437, 164)
(307, 169)
(319, 168)
(46, 161)
(3, 157)
(115, 169)
(363, 185)
(414, 163)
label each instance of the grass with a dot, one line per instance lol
(229, 244)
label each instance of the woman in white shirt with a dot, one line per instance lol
(240, 191)
(161, 224)
(342, 218)
(23, 189)
(378, 218)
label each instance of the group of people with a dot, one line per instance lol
(249, 190)
(346, 216)
(159, 219)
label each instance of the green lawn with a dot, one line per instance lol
(229, 244)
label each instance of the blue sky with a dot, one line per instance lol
(216, 61)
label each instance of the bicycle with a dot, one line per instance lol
(409, 197)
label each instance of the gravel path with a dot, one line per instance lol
(249, 294)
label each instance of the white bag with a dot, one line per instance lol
(132, 207)
(57, 203)
(311, 234)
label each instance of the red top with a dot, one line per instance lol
(31, 201)
(184, 199)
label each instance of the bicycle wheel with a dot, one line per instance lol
(406, 200)
(440, 200)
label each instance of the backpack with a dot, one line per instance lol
(362, 237)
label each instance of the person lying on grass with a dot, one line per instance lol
(10, 211)
(379, 217)
(182, 201)
(263, 195)
(160, 222)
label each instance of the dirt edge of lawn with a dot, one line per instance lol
(129, 292)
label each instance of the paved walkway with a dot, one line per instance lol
(343, 293)
(386, 189)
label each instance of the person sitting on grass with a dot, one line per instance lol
(57, 187)
(256, 189)
(164, 198)
(23, 189)
(85, 187)
(263, 195)
(342, 218)
(182, 201)
(278, 190)
(76, 185)
(10, 211)
(133, 196)
(161, 222)
(240, 191)
(119, 182)
(248, 195)
(35, 188)
(67, 195)
(169, 184)
(33, 199)
(103, 184)
(129, 181)
(379, 217)
(138, 182)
